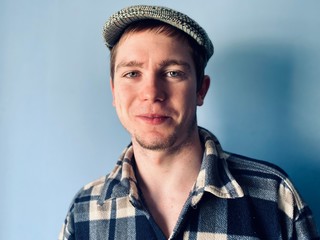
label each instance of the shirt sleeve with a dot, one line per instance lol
(299, 220)
(304, 225)
(67, 231)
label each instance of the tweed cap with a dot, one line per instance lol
(119, 21)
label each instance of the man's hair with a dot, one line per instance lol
(197, 51)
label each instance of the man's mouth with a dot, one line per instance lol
(153, 119)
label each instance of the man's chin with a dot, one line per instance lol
(157, 142)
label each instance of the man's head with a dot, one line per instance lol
(157, 75)
(161, 20)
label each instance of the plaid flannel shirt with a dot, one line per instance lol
(234, 197)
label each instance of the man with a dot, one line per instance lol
(174, 181)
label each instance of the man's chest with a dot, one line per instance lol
(213, 218)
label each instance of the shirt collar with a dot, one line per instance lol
(214, 176)
(122, 180)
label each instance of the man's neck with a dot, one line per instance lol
(167, 166)
(166, 179)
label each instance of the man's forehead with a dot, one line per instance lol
(161, 39)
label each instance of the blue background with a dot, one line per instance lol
(58, 129)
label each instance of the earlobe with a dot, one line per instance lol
(203, 90)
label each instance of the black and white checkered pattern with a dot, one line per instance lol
(234, 197)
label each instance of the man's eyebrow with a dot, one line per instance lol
(163, 64)
(173, 62)
(129, 64)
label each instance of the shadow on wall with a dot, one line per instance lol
(260, 100)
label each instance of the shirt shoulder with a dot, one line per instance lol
(89, 192)
(94, 187)
(250, 166)
(265, 180)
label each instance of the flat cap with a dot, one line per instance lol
(119, 21)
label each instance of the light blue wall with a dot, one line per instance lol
(58, 129)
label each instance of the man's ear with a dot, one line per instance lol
(112, 91)
(203, 90)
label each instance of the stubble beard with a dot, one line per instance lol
(170, 143)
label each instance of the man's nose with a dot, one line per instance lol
(153, 89)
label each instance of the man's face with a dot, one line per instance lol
(154, 90)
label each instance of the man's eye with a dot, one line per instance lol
(131, 74)
(174, 74)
